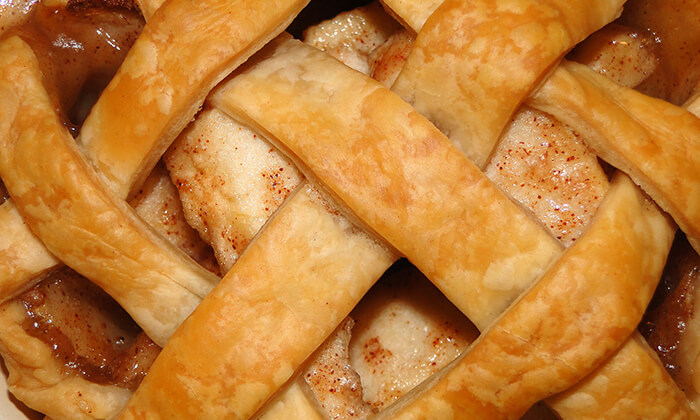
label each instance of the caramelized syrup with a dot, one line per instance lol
(87, 330)
(79, 49)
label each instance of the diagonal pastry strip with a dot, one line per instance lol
(128, 150)
(402, 176)
(586, 399)
(588, 303)
(264, 319)
(61, 197)
(655, 142)
(469, 82)
(411, 13)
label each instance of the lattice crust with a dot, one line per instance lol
(650, 139)
(386, 183)
(663, 398)
(230, 97)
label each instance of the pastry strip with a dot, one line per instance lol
(655, 142)
(667, 170)
(277, 77)
(179, 361)
(574, 318)
(274, 317)
(61, 197)
(474, 62)
(404, 178)
(36, 376)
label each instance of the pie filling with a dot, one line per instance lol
(353, 374)
(670, 315)
(87, 330)
(80, 48)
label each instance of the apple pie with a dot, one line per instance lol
(392, 210)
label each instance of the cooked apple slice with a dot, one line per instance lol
(230, 182)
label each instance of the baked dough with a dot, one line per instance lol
(128, 157)
(22, 255)
(631, 384)
(430, 144)
(184, 50)
(662, 394)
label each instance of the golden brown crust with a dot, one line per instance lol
(274, 317)
(156, 91)
(250, 395)
(405, 179)
(655, 142)
(98, 235)
(294, 402)
(573, 319)
(473, 63)
(104, 130)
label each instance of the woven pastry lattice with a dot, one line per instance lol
(387, 173)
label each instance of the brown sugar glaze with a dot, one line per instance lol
(80, 48)
(672, 25)
(673, 304)
(87, 330)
